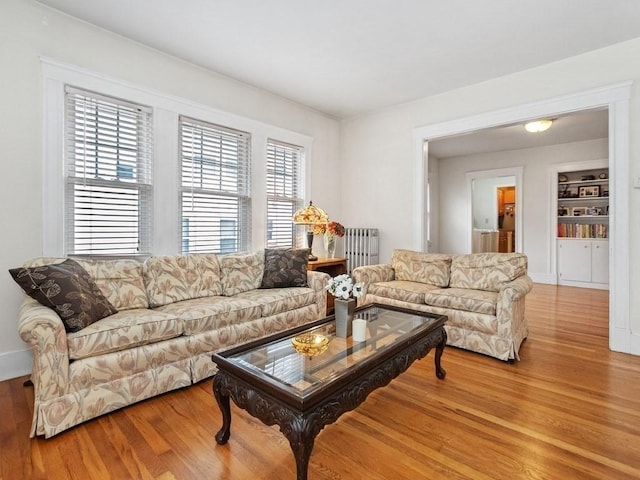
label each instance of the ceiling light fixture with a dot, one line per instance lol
(538, 126)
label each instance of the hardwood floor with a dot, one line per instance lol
(570, 409)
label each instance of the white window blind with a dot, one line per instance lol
(284, 192)
(215, 180)
(108, 188)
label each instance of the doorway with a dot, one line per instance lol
(486, 222)
(615, 98)
(506, 200)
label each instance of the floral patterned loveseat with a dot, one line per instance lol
(483, 294)
(173, 312)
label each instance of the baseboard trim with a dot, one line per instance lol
(598, 286)
(543, 278)
(15, 364)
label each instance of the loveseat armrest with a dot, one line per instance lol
(517, 288)
(368, 274)
(43, 330)
(510, 308)
(318, 282)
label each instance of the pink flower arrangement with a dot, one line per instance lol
(331, 228)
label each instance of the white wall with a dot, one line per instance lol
(536, 209)
(28, 32)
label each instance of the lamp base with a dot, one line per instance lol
(312, 257)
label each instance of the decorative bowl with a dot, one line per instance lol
(310, 344)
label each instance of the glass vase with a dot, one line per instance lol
(330, 246)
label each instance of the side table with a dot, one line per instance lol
(332, 266)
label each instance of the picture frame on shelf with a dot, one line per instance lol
(589, 191)
(594, 211)
(579, 211)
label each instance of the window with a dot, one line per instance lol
(284, 192)
(214, 193)
(108, 187)
(133, 172)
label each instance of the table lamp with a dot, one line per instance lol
(310, 216)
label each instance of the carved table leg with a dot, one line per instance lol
(440, 372)
(302, 444)
(223, 402)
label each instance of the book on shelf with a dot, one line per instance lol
(582, 230)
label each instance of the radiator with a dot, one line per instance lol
(360, 247)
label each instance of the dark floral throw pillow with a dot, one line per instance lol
(68, 289)
(285, 267)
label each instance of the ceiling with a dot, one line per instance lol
(574, 127)
(349, 57)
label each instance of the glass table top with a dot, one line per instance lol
(299, 374)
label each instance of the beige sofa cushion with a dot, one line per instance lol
(277, 300)
(477, 301)
(121, 331)
(486, 271)
(212, 313)
(120, 281)
(431, 268)
(174, 278)
(411, 292)
(241, 272)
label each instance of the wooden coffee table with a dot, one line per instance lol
(301, 393)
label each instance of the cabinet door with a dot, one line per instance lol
(574, 260)
(600, 262)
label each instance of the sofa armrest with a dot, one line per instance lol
(42, 328)
(318, 282)
(373, 273)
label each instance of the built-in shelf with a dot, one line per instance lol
(585, 182)
(581, 199)
(582, 228)
(571, 217)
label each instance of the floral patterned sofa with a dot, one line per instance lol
(173, 312)
(483, 294)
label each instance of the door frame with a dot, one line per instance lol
(616, 99)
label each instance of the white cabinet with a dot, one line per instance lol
(583, 263)
(574, 260)
(600, 262)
